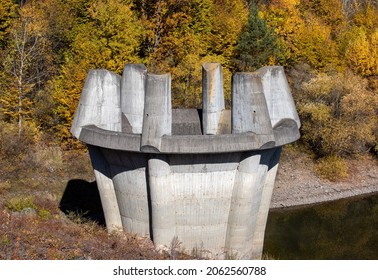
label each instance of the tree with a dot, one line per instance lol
(181, 35)
(107, 36)
(330, 12)
(8, 13)
(361, 52)
(338, 114)
(284, 17)
(316, 45)
(25, 66)
(257, 44)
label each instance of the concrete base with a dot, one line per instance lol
(215, 204)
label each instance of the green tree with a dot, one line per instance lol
(257, 44)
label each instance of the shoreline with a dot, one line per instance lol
(298, 185)
(327, 196)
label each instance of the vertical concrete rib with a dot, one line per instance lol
(240, 208)
(212, 97)
(162, 200)
(128, 172)
(99, 103)
(106, 189)
(249, 107)
(269, 158)
(278, 95)
(133, 86)
(157, 119)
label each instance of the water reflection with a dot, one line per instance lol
(343, 229)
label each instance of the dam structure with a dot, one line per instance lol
(201, 177)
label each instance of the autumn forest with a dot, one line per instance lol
(329, 49)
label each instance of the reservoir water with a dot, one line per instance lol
(345, 229)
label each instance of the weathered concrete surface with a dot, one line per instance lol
(106, 189)
(157, 118)
(204, 178)
(133, 86)
(249, 111)
(278, 96)
(186, 122)
(99, 102)
(212, 97)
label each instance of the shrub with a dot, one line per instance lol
(17, 204)
(332, 168)
(14, 146)
(44, 214)
(338, 114)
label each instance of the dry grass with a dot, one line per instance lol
(34, 228)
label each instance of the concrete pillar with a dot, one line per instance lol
(241, 217)
(128, 172)
(249, 108)
(133, 86)
(106, 189)
(100, 103)
(212, 97)
(278, 96)
(163, 216)
(157, 118)
(269, 158)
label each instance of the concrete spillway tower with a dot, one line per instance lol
(202, 177)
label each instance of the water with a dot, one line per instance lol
(346, 229)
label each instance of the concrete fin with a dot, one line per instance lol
(212, 97)
(157, 118)
(99, 103)
(249, 107)
(133, 86)
(162, 200)
(246, 195)
(278, 95)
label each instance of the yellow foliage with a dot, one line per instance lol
(362, 54)
(338, 114)
(316, 45)
(284, 17)
(8, 12)
(191, 33)
(108, 39)
(231, 17)
(332, 168)
(367, 17)
(329, 12)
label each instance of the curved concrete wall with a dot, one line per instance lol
(162, 173)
